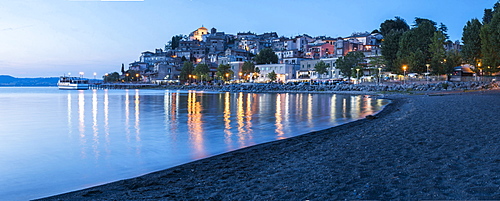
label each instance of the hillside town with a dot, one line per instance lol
(297, 56)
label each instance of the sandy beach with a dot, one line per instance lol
(442, 146)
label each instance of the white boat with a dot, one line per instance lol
(73, 83)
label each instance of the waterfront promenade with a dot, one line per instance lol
(440, 146)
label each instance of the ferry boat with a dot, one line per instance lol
(73, 83)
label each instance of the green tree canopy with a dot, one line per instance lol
(111, 77)
(349, 62)
(201, 71)
(266, 56)
(132, 75)
(471, 50)
(321, 68)
(247, 68)
(438, 53)
(390, 48)
(490, 44)
(396, 24)
(186, 70)
(453, 59)
(414, 46)
(272, 76)
(174, 43)
(224, 72)
(392, 30)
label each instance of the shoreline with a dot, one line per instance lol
(351, 161)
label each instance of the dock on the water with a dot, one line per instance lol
(121, 85)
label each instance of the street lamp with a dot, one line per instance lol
(227, 76)
(240, 75)
(379, 75)
(357, 74)
(427, 77)
(81, 74)
(404, 74)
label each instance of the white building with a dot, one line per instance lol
(284, 72)
(307, 70)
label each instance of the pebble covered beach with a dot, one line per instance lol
(438, 146)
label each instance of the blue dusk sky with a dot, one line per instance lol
(47, 38)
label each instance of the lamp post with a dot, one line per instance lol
(126, 77)
(427, 76)
(379, 75)
(227, 76)
(240, 75)
(404, 74)
(81, 74)
(189, 78)
(357, 74)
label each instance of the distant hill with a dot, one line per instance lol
(7, 80)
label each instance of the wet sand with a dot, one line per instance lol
(420, 147)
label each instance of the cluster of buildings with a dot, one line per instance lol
(297, 55)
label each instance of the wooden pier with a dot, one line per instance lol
(122, 85)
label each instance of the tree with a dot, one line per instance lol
(321, 67)
(186, 70)
(202, 71)
(398, 24)
(392, 30)
(266, 56)
(174, 43)
(132, 75)
(453, 59)
(438, 53)
(390, 48)
(414, 46)
(247, 68)
(443, 30)
(123, 68)
(113, 77)
(490, 44)
(272, 76)
(224, 71)
(471, 50)
(378, 63)
(349, 62)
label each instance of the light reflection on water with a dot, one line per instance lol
(77, 139)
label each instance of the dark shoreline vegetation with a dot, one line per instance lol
(444, 145)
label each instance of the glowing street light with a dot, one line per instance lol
(427, 77)
(404, 74)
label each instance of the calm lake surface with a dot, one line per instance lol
(54, 141)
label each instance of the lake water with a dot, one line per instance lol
(54, 141)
